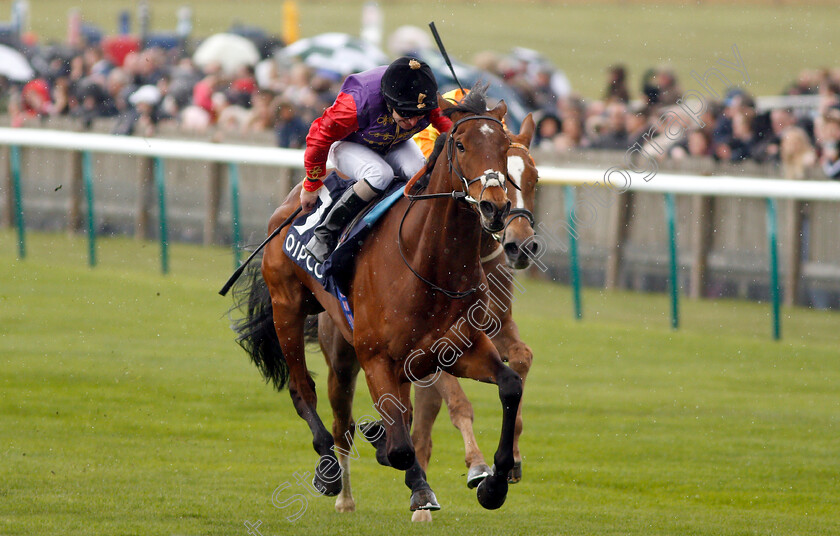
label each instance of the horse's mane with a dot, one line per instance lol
(474, 103)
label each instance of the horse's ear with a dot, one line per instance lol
(526, 131)
(499, 111)
(443, 104)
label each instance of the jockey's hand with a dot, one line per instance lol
(307, 200)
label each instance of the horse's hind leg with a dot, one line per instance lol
(327, 478)
(427, 402)
(393, 403)
(343, 369)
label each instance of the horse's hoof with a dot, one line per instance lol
(515, 474)
(492, 492)
(374, 433)
(345, 505)
(424, 499)
(477, 473)
(420, 516)
(327, 476)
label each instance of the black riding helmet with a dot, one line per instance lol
(409, 87)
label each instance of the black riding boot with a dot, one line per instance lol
(326, 234)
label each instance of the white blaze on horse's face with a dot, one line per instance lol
(516, 167)
(487, 130)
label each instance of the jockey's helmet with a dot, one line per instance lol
(409, 87)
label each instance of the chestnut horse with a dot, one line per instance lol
(516, 236)
(415, 284)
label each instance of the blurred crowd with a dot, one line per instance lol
(143, 89)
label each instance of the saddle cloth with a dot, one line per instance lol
(336, 271)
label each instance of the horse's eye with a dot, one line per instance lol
(460, 146)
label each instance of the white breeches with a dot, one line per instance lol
(358, 162)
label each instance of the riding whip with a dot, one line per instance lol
(445, 55)
(241, 268)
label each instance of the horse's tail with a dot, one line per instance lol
(255, 330)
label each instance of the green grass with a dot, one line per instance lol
(776, 39)
(126, 408)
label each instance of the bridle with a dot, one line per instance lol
(463, 195)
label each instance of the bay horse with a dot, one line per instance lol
(402, 310)
(499, 252)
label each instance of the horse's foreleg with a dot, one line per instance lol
(461, 415)
(482, 362)
(519, 356)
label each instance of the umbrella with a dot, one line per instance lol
(13, 65)
(336, 52)
(229, 50)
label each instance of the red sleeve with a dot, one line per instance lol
(440, 121)
(338, 122)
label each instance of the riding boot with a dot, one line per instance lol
(326, 234)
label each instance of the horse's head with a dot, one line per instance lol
(476, 150)
(522, 172)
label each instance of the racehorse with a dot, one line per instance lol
(402, 311)
(512, 241)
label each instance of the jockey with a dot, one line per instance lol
(366, 134)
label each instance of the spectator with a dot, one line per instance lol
(548, 127)
(613, 134)
(34, 103)
(796, 153)
(829, 143)
(290, 129)
(617, 85)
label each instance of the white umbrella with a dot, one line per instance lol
(336, 52)
(13, 65)
(147, 94)
(229, 50)
(408, 39)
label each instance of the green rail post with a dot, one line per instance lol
(674, 283)
(772, 226)
(87, 177)
(233, 176)
(569, 197)
(160, 180)
(14, 157)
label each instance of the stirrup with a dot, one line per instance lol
(320, 247)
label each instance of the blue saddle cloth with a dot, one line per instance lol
(336, 271)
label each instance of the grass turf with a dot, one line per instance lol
(776, 40)
(126, 408)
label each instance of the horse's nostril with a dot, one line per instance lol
(511, 249)
(534, 247)
(488, 209)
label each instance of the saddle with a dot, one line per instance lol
(336, 272)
